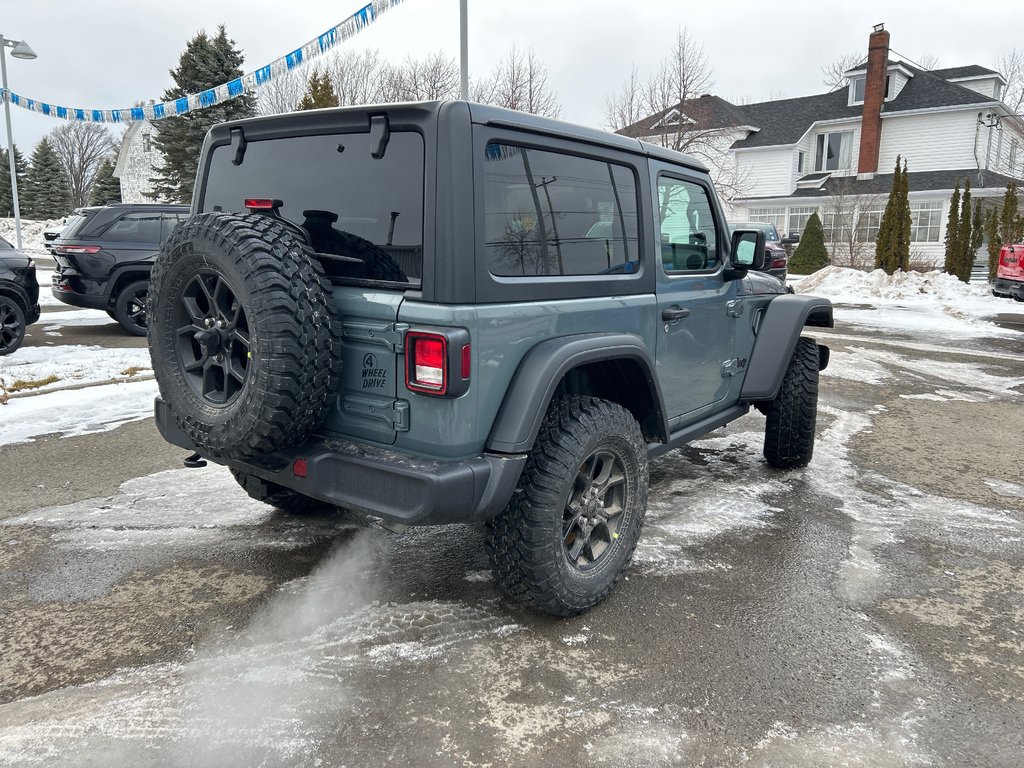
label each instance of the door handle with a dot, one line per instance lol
(675, 313)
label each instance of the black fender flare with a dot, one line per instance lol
(137, 270)
(780, 326)
(16, 292)
(542, 369)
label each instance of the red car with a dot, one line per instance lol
(1010, 275)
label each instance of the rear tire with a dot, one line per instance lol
(130, 307)
(569, 532)
(12, 325)
(792, 415)
(278, 496)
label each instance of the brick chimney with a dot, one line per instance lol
(874, 97)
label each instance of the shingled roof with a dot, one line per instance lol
(785, 121)
(881, 184)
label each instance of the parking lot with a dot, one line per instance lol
(866, 611)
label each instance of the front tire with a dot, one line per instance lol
(793, 414)
(569, 532)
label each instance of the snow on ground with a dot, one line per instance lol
(72, 364)
(925, 302)
(53, 321)
(46, 298)
(76, 412)
(31, 234)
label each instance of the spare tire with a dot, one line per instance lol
(243, 334)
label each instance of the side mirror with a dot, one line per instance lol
(748, 250)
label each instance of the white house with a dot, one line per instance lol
(136, 162)
(833, 154)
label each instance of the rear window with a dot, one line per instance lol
(349, 203)
(71, 228)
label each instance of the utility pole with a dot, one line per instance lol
(464, 50)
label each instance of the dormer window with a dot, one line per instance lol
(858, 85)
(671, 118)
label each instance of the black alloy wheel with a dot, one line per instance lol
(12, 325)
(130, 307)
(213, 340)
(594, 509)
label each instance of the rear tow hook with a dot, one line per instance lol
(195, 461)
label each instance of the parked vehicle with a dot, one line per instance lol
(1009, 280)
(105, 254)
(50, 234)
(333, 329)
(776, 257)
(19, 296)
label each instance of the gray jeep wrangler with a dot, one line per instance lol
(446, 312)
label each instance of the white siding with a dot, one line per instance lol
(931, 141)
(986, 86)
(1002, 152)
(767, 171)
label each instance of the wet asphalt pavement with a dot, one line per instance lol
(866, 611)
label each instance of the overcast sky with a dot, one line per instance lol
(111, 53)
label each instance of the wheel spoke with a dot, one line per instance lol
(577, 548)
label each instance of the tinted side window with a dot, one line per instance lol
(170, 223)
(351, 204)
(549, 214)
(142, 227)
(689, 241)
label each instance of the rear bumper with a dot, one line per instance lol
(1013, 288)
(394, 486)
(77, 299)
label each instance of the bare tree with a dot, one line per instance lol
(1011, 66)
(834, 75)
(358, 76)
(681, 119)
(852, 217)
(435, 76)
(283, 93)
(520, 81)
(928, 61)
(81, 149)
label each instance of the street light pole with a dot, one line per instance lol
(464, 50)
(21, 51)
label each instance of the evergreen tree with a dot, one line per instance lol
(206, 62)
(978, 232)
(811, 254)
(994, 245)
(21, 170)
(888, 238)
(952, 232)
(901, 255)
(47, 191)
(964, 255)
(1011, 227)
(106, 188)
(319, 93)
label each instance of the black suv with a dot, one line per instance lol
(104, 256)
(19, 296)
(447, 312)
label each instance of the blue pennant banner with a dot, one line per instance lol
(319, 45)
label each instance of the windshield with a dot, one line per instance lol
(771, 234)
(367, 210)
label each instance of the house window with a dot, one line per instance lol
(776, 216)
(145, 142)
(868, 224)
(836, 226)
(799, 162)
(858, 89)
(834, 151)
(925, 219)
(798, 217)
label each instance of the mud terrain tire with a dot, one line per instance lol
(531, 543)
(792, 415)
(243, 334)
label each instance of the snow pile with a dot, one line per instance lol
(852, 284)
(933, 303)
(31, 234)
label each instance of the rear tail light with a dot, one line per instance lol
(438, 363)
(778, 264)
(427, 369)
(70, 250)
(255, 204)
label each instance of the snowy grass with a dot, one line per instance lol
(71, 413)
(74, 364)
